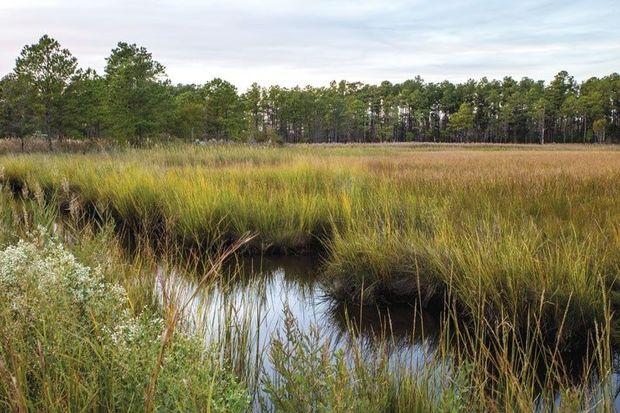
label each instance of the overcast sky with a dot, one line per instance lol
(315, 41)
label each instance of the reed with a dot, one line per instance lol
(401, 221)
(520, 248)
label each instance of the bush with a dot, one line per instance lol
(69, 342)
(268, 136)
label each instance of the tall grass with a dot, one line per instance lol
(100, 337)
(503, 226)
(80, 328)
(521, 248)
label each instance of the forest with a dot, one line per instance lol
(47, 95)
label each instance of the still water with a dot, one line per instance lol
(253, 301)
(256, 297)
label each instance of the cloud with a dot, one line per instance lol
(313, 42)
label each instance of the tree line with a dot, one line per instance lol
(133, 101)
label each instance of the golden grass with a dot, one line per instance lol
(502, 225)
(521, 245)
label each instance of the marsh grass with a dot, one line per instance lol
(311, 376)
(520, 249)
(470, 369)
(81, 330)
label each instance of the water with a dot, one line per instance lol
(256, 296)
(249, 305)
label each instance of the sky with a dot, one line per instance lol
(315, 41)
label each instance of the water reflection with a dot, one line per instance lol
(248, 307)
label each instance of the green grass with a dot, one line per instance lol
(509, 228)
(521, 247)
(80, 329)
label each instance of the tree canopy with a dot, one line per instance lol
(43, 73)
(133, 101)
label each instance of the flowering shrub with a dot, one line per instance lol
(68, 341)
(39, 278)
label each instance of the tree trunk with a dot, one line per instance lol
(48, 128)
(585, 127)
(542, 129)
